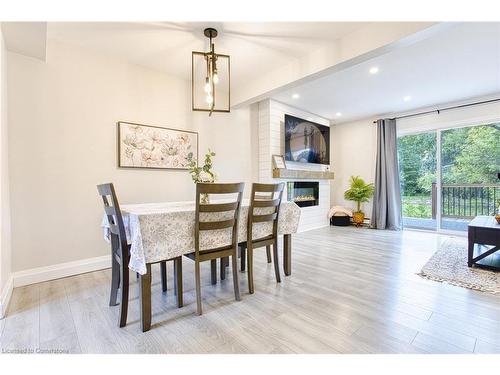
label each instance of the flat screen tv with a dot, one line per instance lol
(306, 141)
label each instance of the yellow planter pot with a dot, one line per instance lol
(358, 217)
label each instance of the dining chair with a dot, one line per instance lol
(266, 200)
(217, 217)
(242, 251)
(120, 252)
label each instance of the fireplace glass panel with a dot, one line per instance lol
(303, 193)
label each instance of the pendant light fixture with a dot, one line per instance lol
(211, 78)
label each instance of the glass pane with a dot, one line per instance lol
(417, 168)
(470, 159)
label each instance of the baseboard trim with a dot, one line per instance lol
(5, 296)
(57, 271)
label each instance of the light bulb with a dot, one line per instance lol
(215, 78)
(208, 86)
(210, 99)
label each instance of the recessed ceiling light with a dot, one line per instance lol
(338, 114)
(295, 96)
(373, 70)
(407, 98)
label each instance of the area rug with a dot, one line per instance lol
(449, 264)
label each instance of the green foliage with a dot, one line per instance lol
(359, 191)
(204, 173)
(479, 158)
(469, 155)
(417, 162)
(417, 206)
(424, 182)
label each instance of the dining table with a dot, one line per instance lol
(165, 230)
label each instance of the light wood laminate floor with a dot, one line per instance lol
(351, 291)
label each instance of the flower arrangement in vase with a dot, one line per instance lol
(203, 174)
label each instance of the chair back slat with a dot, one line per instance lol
(213, 225)
(229, 220)
(210, 188)
(265, 197)
(113, 213)
(114, 229)
(110, 210)
(266, 202)
(264, 218)
(267, 188)
(220, 207)
(105, 189)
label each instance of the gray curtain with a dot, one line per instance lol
(386, 212)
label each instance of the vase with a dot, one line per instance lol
(204, 199)
(358, 218)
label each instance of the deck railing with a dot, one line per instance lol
(466, 200)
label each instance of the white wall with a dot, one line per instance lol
(272, 142)
(230, 136)
(354, 150)
(5, 237)
(62, 117)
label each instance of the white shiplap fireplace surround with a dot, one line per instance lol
(272, 142)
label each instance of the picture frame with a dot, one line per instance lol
(279, 162)
(153, 147)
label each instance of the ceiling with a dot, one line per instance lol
(461, 61)
(26, 38)
(167, 46)
(458, 62)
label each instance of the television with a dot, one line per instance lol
(306, 141)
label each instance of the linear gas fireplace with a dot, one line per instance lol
(304, 193)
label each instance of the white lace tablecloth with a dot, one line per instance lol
(160, 231)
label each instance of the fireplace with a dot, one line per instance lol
(303, 193)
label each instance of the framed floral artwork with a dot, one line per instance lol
(145, 146)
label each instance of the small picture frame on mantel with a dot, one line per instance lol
(279, 162)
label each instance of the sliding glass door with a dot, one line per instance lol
(417, 168)
(449, 176)
(470, 162)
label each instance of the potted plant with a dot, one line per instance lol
(202, 174)
(359, 192)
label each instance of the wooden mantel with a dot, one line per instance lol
(300, 173)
